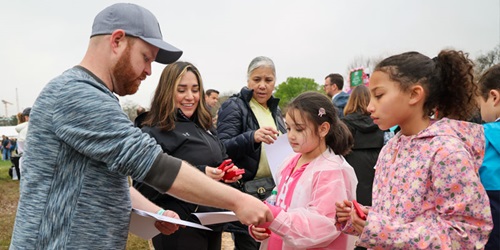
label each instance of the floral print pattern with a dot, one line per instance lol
(427, 193)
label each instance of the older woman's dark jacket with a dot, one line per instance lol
(236, 125)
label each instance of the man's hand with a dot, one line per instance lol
(251, 210)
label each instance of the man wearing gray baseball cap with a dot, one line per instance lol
(82, 146)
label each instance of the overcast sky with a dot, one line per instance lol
(306, 38)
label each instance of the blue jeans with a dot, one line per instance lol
(6, 154)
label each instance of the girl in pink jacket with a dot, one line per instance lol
(426, 192)
(310, 181)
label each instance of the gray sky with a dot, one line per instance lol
(306, 38)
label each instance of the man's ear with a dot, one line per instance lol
(417, 94)
(495, 95)
(118, 39)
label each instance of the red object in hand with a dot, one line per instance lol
(359, 212)
(268, 231)
(232, 174)
(226, 165)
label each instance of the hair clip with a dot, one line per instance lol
(321, 112)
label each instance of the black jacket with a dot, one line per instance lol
(189, 142)
(236, 125)
(368, 141)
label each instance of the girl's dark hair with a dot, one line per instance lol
(163, 112)
(447, 79)
(489, 80)
(339, 138)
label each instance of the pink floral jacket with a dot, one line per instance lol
(427, 193)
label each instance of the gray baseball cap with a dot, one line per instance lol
(138, 22)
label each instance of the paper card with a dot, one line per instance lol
(277, 153)
(142, 223)
(210, 218)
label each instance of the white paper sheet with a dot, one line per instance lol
(277, 153)
(210, 218)
(142, 223)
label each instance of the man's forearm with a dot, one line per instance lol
(193, 186)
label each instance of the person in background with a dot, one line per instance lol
(489, 101)
(211, 98)
(140, 110)
(310, 179)
(6, 145)
(82, 147)
(180, 122)
(368, 141)
(245, 121)
(426, 193)
(334, 83)
(22, 130)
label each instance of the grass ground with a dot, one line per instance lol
(9, 196)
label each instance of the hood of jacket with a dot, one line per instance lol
(471, 134)
(490, 169)
(363, 123)
(490, 132)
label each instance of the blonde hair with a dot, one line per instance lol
(358, 101)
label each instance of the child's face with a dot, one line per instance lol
(300, 135)
(490, 108)
(388, 104)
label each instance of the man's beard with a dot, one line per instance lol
(123, 75)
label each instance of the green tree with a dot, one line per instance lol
(292, 87)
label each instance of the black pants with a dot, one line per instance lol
(189, 238)
(15, 161)
(241, 237)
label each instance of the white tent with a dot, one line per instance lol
(9, 131)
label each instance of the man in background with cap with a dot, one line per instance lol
(82, 147)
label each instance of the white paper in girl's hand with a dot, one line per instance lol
(277, 153)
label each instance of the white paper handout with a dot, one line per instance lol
(210, 218)
(277, 153)
(142, 223)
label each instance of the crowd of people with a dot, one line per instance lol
(434, 185)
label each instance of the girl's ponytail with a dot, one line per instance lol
(339, 138)
(452, 87)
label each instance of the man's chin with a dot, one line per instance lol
(127, 92)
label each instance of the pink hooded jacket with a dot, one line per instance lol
(309, 221)
(427, 193)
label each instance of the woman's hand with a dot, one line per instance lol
(259, 233)
(235, 178)
(266, 135)
(214, 173)
(343, 211)
(167, 228)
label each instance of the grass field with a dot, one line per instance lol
(9, 196)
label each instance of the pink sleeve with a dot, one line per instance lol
(458, 219)
(313, 225)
